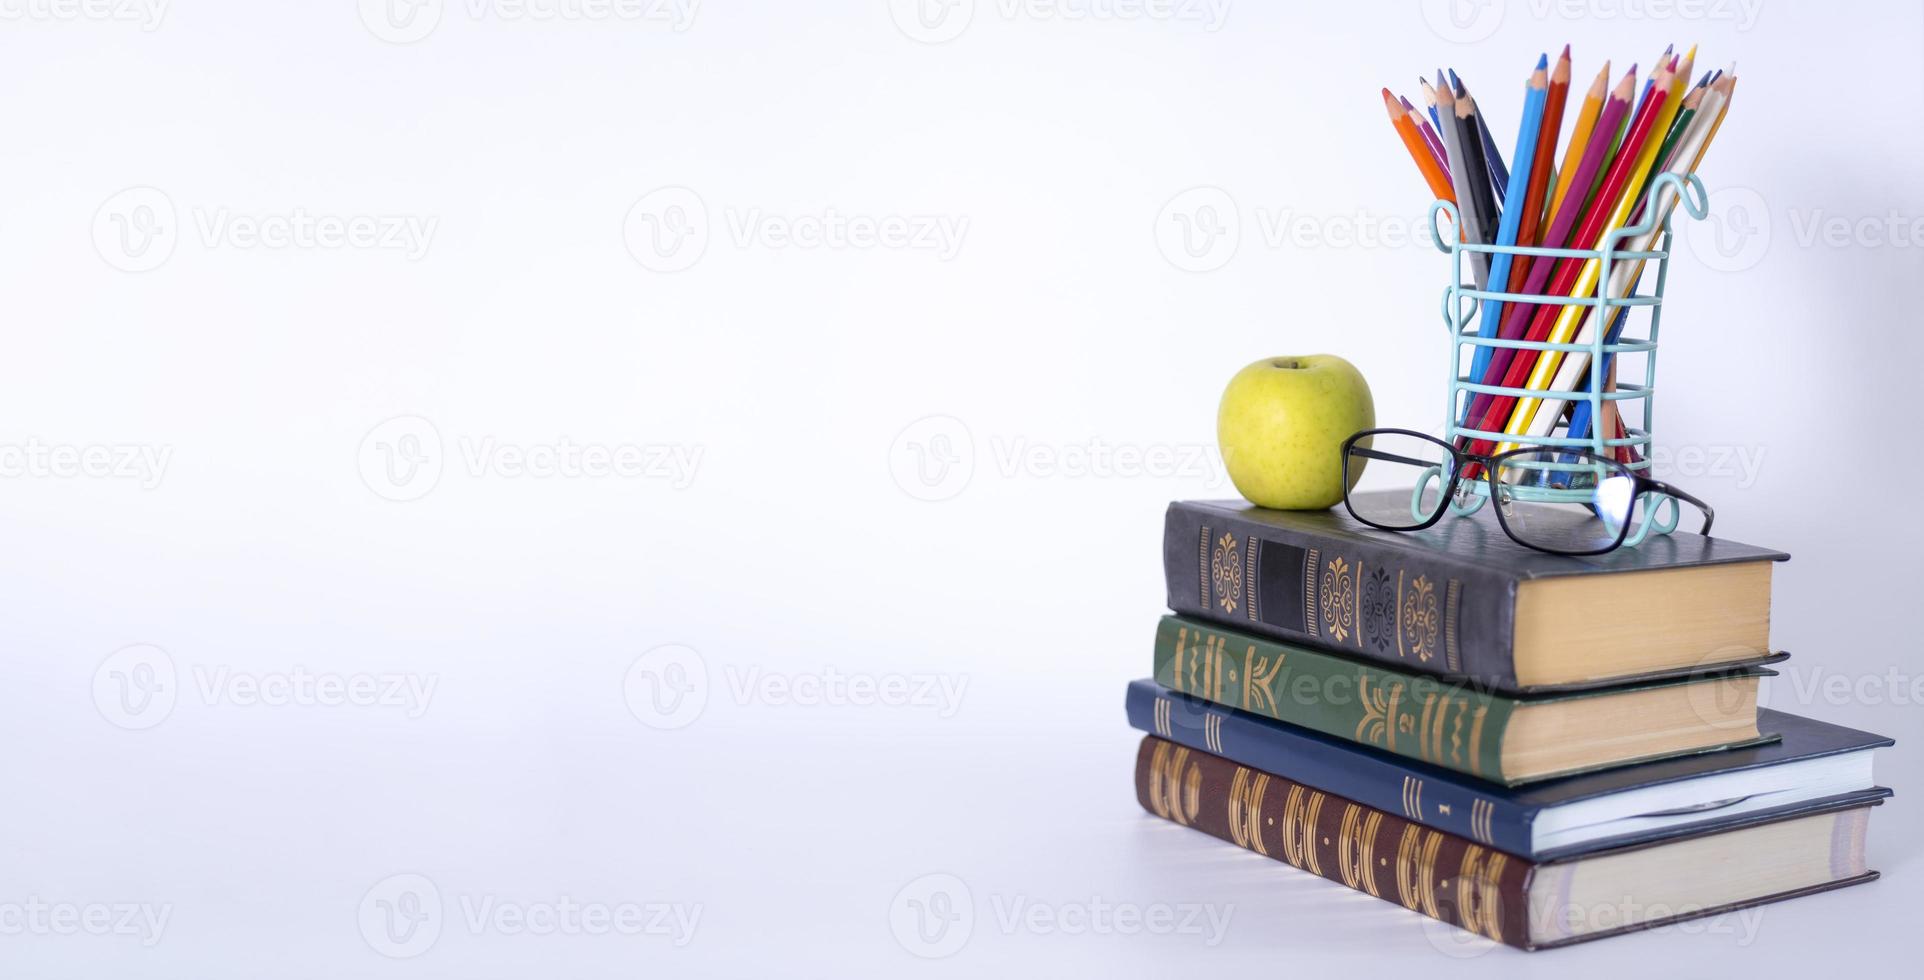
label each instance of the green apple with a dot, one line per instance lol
(1282, 424)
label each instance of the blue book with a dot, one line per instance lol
(1811, 765)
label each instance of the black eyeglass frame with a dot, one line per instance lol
(1491, 464)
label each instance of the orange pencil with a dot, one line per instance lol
(1419, 150)
(1580, 137)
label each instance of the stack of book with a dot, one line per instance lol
(1535, 748)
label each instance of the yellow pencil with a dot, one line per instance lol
(1546, 364)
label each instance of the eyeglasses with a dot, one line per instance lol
(1563, 501)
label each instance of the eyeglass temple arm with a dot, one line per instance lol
(1667, 490)
(1388, 457)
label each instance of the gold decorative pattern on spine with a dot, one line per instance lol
(1250, 549)
(1301, 810)
(1162, 717)
(1175, 784)
(1356, 846)
(1226, 573)
(1338, 600)
(1311, 561)
(1246, 808)
(1420, 619)
(1213, 733)
(1202, 566)
(1412, 797)
(1423, 727)
(1481, 812)
(1479, 893)
(1454, 595)
(1476, 740)
(1416, 870)
(1258, 674)
(1400, 652)
(1378, 725)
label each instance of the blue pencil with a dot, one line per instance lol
(1499, 174)
(1534, 96)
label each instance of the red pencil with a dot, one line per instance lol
(1567, 270)
(1516, 318)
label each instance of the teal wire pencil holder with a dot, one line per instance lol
(1613, 344)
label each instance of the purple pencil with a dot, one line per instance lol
(1516, 319)
(1429, 135)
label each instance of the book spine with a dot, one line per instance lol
(1440, 875)
(1412, 715)
(1426, 794)
(1417, 611)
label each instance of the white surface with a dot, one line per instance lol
(818, 533)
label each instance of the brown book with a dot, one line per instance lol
(1529, 905)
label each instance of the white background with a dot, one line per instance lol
(296, 536)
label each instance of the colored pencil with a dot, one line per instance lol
(1688, 156)
(1616, 181)
(1482, 198)
(1641, 149)
(1537, 191)
(1535, 93)
(1429, 135)
(1429, 100)
(1492, 159)
(1562, 224)
(1468, 226)
(1419, 150)
(1586, 122)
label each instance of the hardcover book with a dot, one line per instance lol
(1804, 763)
(1523, 903)
(1494, 736)
(1463, 600)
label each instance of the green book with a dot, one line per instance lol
(1502, 738)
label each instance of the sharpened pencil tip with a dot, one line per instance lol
(1566, 52)
(1543, 62)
